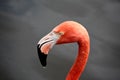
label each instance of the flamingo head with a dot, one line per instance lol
(63, 33)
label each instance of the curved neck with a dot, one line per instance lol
(81, 60)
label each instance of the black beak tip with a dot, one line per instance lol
(42, 56)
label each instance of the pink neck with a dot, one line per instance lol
(79, 65)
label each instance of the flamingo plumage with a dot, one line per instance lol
(67, 32)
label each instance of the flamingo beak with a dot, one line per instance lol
(44, 45)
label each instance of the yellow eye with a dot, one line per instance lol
(59, 33)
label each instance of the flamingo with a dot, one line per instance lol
(67, 32)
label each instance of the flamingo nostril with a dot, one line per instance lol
(47, 38)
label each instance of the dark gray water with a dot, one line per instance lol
(24, 22)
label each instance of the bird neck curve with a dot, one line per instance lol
(81, 60)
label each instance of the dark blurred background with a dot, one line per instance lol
(24, 22)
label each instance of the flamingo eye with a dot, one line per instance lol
(59, 33)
